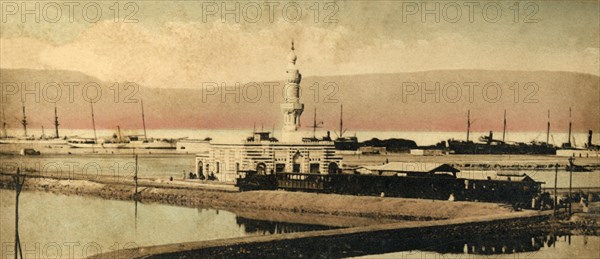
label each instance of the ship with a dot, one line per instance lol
(487, 145)
(115, 142)
(349, 143)
(26, 138)
(139, 142)
(570, 148)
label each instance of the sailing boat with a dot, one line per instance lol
(93, 142)
(135, 141)
(345, 143)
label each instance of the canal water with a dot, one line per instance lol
(59, 226)
(511, 246)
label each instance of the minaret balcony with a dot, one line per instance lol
(293, 106)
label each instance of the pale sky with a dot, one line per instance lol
(172, 46)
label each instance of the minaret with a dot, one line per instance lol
(292, 108)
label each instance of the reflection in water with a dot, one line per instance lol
(490, 246)
(87, 225)
(264, 227)
(537, 245)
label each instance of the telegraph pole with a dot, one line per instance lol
(136, 174)
(571, 159)
(19, 181)
(555, 191)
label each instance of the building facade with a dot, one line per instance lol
(265, 154)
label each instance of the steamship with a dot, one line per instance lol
(489, 145)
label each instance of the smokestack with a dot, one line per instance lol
(590, 138)
(491, 137)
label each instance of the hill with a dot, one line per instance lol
(432, 100)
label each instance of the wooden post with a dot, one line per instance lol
(555, 191)
(571, 159)
(19, 181)
(136, 174)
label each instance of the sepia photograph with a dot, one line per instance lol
(300, 129)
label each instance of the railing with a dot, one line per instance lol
(302, 181)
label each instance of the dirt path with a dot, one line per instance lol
(357, 210)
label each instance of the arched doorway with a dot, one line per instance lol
(261, 168)
(332, 168)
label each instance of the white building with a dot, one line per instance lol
(265, 154)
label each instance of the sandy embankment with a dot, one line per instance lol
(308, 208)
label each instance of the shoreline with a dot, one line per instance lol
(345, 242)
(349, 210)
(358, 218)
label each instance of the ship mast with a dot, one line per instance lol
(315, 124)
(548, 130)
(94, 124)
(504, 129)
(24, 121)
(4, 133)
(144, 122)
(468, 123)
(569, 141)
(341, 120)
(56, 121)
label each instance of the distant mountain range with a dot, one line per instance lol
(401, 101)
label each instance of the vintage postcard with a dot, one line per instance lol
(300, 129)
